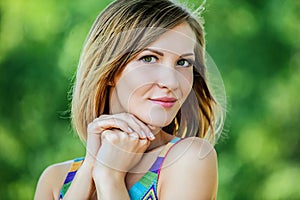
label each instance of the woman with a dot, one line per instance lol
(140, 89)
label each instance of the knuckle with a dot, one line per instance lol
(89, 126)
(119, 122)
(123, 135)
(102, 116)
(110, 136)
(107, 133)
(112, 120)
(143, 142)
(104, 134)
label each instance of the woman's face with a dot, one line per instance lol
(155, 83)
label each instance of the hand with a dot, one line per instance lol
(124, 122)
(119, 152)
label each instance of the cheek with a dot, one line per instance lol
(186, 82)
(132, 83)
(135, 77)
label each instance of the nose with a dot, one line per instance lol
(168, 77)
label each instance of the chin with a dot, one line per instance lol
(156, 117)
(158, 122)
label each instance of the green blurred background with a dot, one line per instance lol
(255, 44)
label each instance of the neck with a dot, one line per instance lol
(161, 138)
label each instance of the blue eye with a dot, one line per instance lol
(184, 63)
(148, 59)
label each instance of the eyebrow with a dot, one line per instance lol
(161, 53)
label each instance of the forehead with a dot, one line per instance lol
(179, 40)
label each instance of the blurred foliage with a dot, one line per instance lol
(255, 44)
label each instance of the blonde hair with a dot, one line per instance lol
(118, 34)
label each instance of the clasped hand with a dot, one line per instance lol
(116, 143)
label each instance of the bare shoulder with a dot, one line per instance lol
(190, 165)
(51, 181)
(192, 150)
(195, 146)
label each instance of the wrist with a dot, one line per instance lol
(88, 164)
(109, 183)
(104, 172)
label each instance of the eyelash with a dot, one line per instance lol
(190, 62)
(148, 56)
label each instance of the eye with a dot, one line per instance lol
(185, 63)
(148, 59)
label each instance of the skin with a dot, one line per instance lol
(133, 127)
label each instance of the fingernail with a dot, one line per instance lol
(143, 134)
(130, 130)
(152, 136)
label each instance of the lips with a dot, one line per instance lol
(166, 102)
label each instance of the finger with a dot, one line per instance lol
(93, 144)
(109, 122)
(151, 127)
(143, 144)
(134, 135)
(133, 124)
(142, 128)
(110, 135)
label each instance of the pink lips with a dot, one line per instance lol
(166, 102)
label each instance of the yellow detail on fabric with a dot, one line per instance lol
(165, 150)
(75, 166)
(150, 195)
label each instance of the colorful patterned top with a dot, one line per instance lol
(71, 174)
(144, 189)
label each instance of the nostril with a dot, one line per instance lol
(167, 77)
